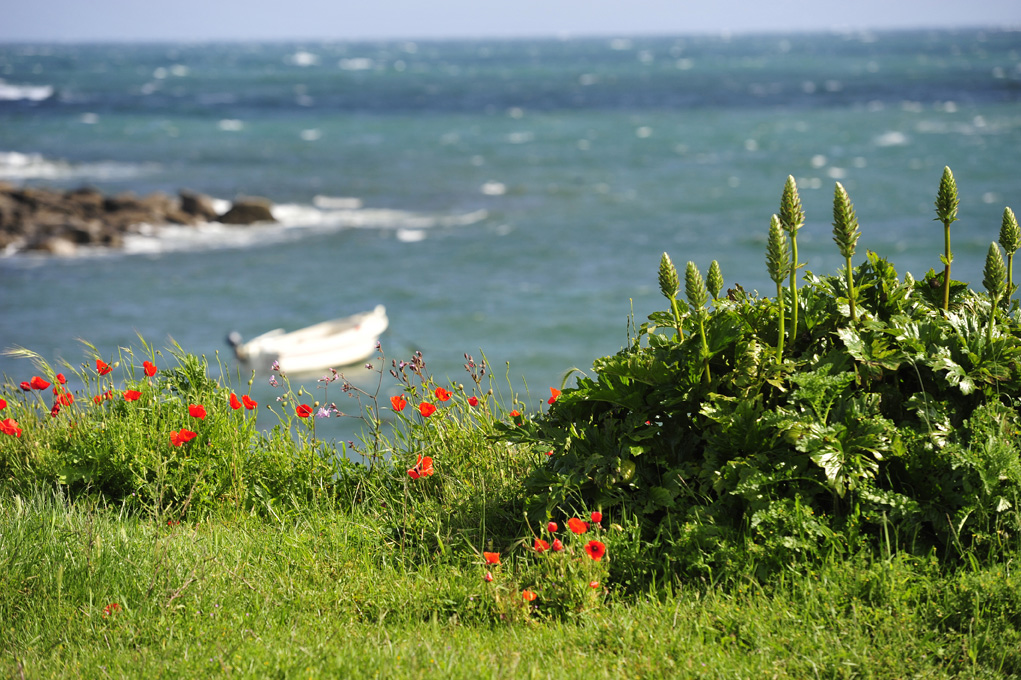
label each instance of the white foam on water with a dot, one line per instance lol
(411, 235)
(891, 138)
(15, 165)
(303, 58)
(336, 202)
(356, 64)
(294, 221)
(32, 93)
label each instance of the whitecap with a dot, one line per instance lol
(891, 138)
(32, 93)
(521, 137)
(19, 166)
(410, 235)
(336, 202)
(356, 64)
(303, 58)
(494, 189)
(311, 135)
(230, 125)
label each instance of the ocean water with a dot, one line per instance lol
(510, 198)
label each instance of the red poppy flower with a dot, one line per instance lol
(595, 550)
(541, 545)
(235, 403)
(491, 557)
(149, 368)
(197, 411)
(303, 411)
(577, 526)
(61, 379)
(473, 401)
(105, 395)
(442, 394)
(181, 437)
(3, 404)
(38, 383)
(528, 595)
(132, 395)
(557, 545)
(102, 367)
(111, 609)
(65, 399)
(25, 385)
(554, 393)
(593, 584)
(10, 426)
(54, 411)
(597, 516)
(248, 402)
(426, 409)
(514, 414)
(552, 527)
(488, 578)
(423, 468)
(398, 403)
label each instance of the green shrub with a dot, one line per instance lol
(884, 414)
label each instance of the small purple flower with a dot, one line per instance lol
(275, 366)
(368, 366)
(323, 413)
(273, 381)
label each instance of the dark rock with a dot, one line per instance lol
(248, 210)
(197, 205)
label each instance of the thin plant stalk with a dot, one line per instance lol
(1010, 240)
(995, 280)
(778, 262)
(946, 212)
(669, 285)
(698, 297)
(846, 233)
(792, 218)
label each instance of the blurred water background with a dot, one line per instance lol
(508, 197)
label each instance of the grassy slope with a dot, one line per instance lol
(327, 594)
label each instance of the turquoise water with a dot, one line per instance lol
(515, 196)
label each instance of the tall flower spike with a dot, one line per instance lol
(668, 281)
(669, 285)
(714, 280)
(778, 256)
(946, 212)
(778, 262)
(694, 287)
(846, 233)
(1010, 239)
(792, 218)
(994, 274)
(946, 199)
(994, 278)
(698, 297)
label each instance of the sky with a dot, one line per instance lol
(205, 20)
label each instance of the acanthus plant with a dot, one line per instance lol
(696, 421)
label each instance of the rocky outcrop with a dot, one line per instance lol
(59, 222)
(248, 210)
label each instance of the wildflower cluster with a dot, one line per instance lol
(563, 572)
(147, 434)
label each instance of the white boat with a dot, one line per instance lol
(330, 344)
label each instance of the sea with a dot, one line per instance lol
(506, 199)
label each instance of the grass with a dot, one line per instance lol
(328, 594)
